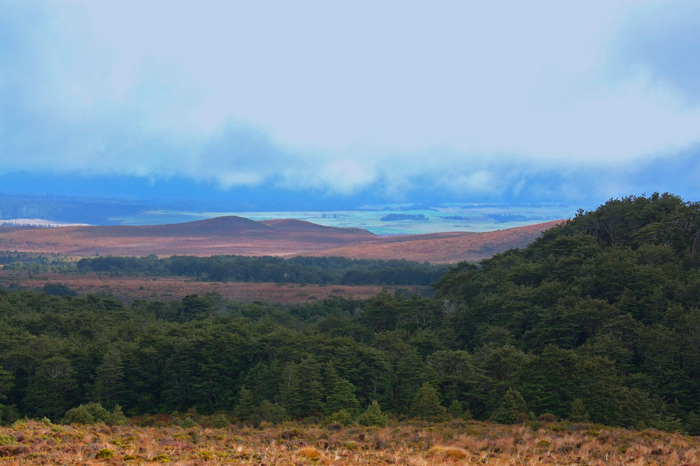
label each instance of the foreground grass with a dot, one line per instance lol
(452, 443)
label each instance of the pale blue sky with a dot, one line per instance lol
(476, 98)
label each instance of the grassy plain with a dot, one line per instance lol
(458, 442)
(128, 288)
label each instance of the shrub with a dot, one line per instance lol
(270, 412)
(219, 421)
(546, 418)
(104, 454)
(426, 404)
(310, 453)
(93, 413)
(341, 417)
(578, 412)
(188, 423)
(455, 410)
(512, 408)
(448, 453)
(373, 416)
(7, 440)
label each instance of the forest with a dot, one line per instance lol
(309, 270)
(598, 320)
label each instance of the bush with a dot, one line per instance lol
(220, 421)
(104, 454)
(547, 417)
(270, 412)
(426, 405)
(340, 417)
(94, 413)
(373, 416)
(188, 422)
(513, 409)
(578, 412)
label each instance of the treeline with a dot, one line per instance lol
(597, 320)
(312, 270)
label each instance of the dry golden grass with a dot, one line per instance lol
(440, 444)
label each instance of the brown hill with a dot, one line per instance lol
(237, 235)
(442, 247)
(223, 235)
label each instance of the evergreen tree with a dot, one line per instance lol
(456, 411)
(301, 391)
(692, 426)
(512, 407)
(578, 412)
(340, 393)
(52, 389)
(426, 404)
(245, 410)
(373, 416)
(109, 386)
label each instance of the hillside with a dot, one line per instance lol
(442, 247)
(597, 320)
(222, 235)
(241, 236)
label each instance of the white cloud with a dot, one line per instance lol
(332, 96)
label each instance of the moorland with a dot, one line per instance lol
(241, 236)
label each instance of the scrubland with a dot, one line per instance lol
(456, 442)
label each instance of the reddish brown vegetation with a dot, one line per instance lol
(442, 444)
(236, 235)
(224, 235)
(169, 288)
(442, 247)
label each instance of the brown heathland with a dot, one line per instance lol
(129, 289)
(35, 443)
(223, 235)
(442, 247)
(241, 236)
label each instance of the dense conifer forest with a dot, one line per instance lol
(598, 320)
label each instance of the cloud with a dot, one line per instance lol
(489, 100)
(662, 42)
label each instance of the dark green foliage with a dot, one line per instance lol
(341, 417)
(598, 319)
(93, 413)
(512, 408)
(321, 270)
(58, 289)
(426, 405)
(373, 416)
(246, 409)
(270, 412)
(456, 410)
(578, 412)
(340, 393)
(301, 390)
(692, 426)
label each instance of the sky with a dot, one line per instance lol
(482, 101)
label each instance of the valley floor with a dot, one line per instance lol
(458, 442)
(130, 288)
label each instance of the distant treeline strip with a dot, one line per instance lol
(313, 270)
